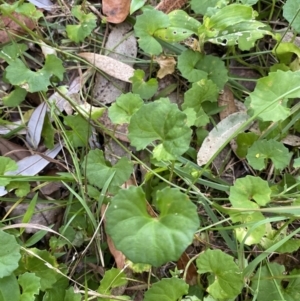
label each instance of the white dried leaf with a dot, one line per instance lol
(35, 125)
(6, 129)
(60, 102)
(46, 49)
(44, 4)
(109, 65)
(32, 165)
(219, 135)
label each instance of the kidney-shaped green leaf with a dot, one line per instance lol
(144, 239)
(167, 289)
(262, 150)
(163, 121)
(270, 97)
(247, 189)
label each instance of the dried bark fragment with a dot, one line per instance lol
(169, 5)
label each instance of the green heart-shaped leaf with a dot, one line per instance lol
(144, 239)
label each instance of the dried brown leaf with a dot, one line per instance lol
(226, 99)
(168, 5)
(11, 27)
(109, 65)
(118, 131)
(291, 140)
(13, 150)
(191, 275)
(116, 11)
(45, 215)
(166, 64)
(118, 255)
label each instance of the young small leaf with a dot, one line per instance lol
(21, 188)
(155, 240)
(29, 10)
(163, 121)
(112, 278)
(80, 130)
(195, 66)
(6, 164)
(30, 284)
(15, 97)
(145, 89)
(78, 33)
(244, 141)
(203, 90)
(167, 289)
(262, 150)
(12, 51)
(124, 107)
(227, 278)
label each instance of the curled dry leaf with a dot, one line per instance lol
(11, 27)
(110, 66)
(115, 11)
(219, 134)
(166, 64)
(35, 125)
(169, 5)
